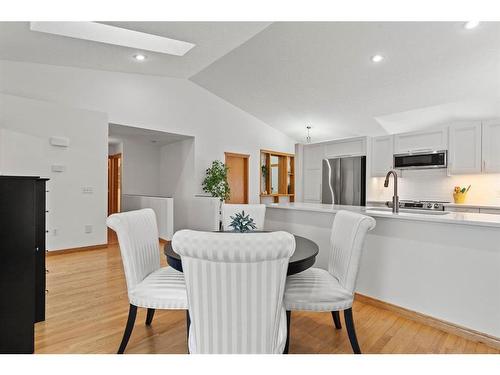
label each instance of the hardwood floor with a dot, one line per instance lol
(87, 309)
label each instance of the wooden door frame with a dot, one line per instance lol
(245, 158)
(111, 157)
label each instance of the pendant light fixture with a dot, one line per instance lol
(308, 137)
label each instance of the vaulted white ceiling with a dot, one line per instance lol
(212, 39)
(293, 74)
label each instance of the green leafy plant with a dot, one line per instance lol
(264, 170)
(215, 181)
(242, 223)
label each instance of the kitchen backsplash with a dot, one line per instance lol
(437, 185)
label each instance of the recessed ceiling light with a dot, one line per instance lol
(140, 57)
(471, 25)
(377, 58)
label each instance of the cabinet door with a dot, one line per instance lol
(346, 147)
(313, 156)
(382, 155)
(464, 154)
(312, 185)
(433, 140)
(491, 148)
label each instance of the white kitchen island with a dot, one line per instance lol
(444, 266)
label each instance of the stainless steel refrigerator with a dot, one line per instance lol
(344, 181)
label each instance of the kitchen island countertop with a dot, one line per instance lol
(461, 218)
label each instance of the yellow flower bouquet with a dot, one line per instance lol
(460, 193)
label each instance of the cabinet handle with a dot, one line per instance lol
(484, 165)
(46, 271)
(46, 291)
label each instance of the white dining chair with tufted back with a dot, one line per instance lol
(148, 284)
(235, 284)
(256, 211)
(320, 290)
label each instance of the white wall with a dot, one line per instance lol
(115, 148)
(177, 180)
(140, 167)
(25, 150)
(437, 185)
(157, 103)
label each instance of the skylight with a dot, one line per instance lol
(119, 36)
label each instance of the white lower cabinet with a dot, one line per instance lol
(312, 185)
(464, 154)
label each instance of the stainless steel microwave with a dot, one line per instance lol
(421, 160)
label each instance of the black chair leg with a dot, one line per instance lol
(149, 316)
(288, 320)
(336, 319)
(351, 332)
(188, 324)
(132, 313)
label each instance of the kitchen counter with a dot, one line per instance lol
(460, 218)
(443, 266)
(492, 206)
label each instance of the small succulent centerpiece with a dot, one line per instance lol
(242, 223)
(215, 183)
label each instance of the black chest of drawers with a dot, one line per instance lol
(22, 261)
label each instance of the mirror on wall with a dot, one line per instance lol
(277, 175)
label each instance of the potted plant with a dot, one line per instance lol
(215, 183)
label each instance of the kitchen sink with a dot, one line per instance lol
(406, 211)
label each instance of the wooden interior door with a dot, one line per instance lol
(114, 183)
(237, 177)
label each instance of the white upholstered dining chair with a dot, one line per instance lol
(235, 284)
(319, 290)
(256, 211)
(148, 284)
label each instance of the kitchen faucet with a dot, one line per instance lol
(395, 198)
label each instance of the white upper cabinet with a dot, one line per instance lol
(382, 153)
(346, 147)
(491, 146)
(313, 156)
(464, 154)
(431, 140)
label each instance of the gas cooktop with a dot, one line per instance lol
(421, 205)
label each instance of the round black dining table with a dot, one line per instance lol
(303, 257)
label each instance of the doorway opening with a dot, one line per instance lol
(237, 177)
